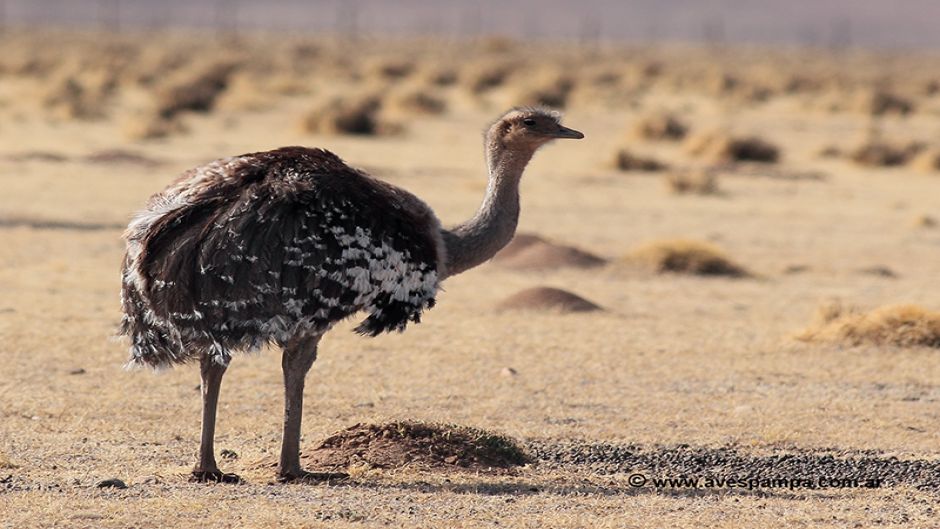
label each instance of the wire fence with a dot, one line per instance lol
(835, 23)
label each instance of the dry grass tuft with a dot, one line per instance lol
(418, 101)
(882, 154)
(721, 147)
(152, 126)
(416, 445)
(6, 463)
(392, 69)
(552, 91)
(696, 181)
(484, 76)
(547, 299)
(73, 97)
(894, 325)
(531, 252)
(196, 90)
(660, 127)
(122, 157)
(683, 256)
(624, 160)
(880, 102)
(926, 161)
(925, 221)
(355, 115)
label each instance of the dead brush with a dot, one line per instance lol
(692, 181)
(684, 256)
(552, 90)
(357, 115)
(624, 160)
(416, 100)
(151, 125)
(893, 325)
(390, 69)
(721, 147)
(660, 126)
(880, 102)
(483, 76)
(878, 153)
(926, 161)
(81, 97)
(195, 90)
(440, 76)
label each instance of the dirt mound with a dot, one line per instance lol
(531, 252)
(685, 257)
(416, 445)
(547, 299)
(897, 325)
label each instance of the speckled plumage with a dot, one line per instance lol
(271, 246)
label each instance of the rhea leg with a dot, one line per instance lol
(296, 361)
(206, 469)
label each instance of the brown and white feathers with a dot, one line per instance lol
(269, 246)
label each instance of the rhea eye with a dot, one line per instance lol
(529, 122)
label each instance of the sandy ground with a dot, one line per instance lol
(673, 360)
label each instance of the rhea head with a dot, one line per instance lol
(528, 128)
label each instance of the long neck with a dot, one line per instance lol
(477, 240)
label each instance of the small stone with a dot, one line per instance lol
(450, 460)
(78, 371)
(508, 372)
(112, 483)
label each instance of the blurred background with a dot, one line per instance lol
(911, 23)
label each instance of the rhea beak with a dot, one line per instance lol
(565, 132)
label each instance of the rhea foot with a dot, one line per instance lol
(214, 476)
(302, 476)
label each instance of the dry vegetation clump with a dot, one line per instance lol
(418, 101)
(152, 126)
(683, 256)
(625, 160)
(660, 127)
(122, 157)
(547, 299)
(440, 76)
(195, 91)
(880, 102)
(926, 161)
(878, 153)
(484, 76)
(78, 97)
(417, 445)
(894, 325)
(696, 181)
(532, 252)
(721, 147)
(925, 221)
(552, 91)
(357, 115)
(248, 93)
(392, 69)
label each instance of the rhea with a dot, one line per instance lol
(276, 247)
